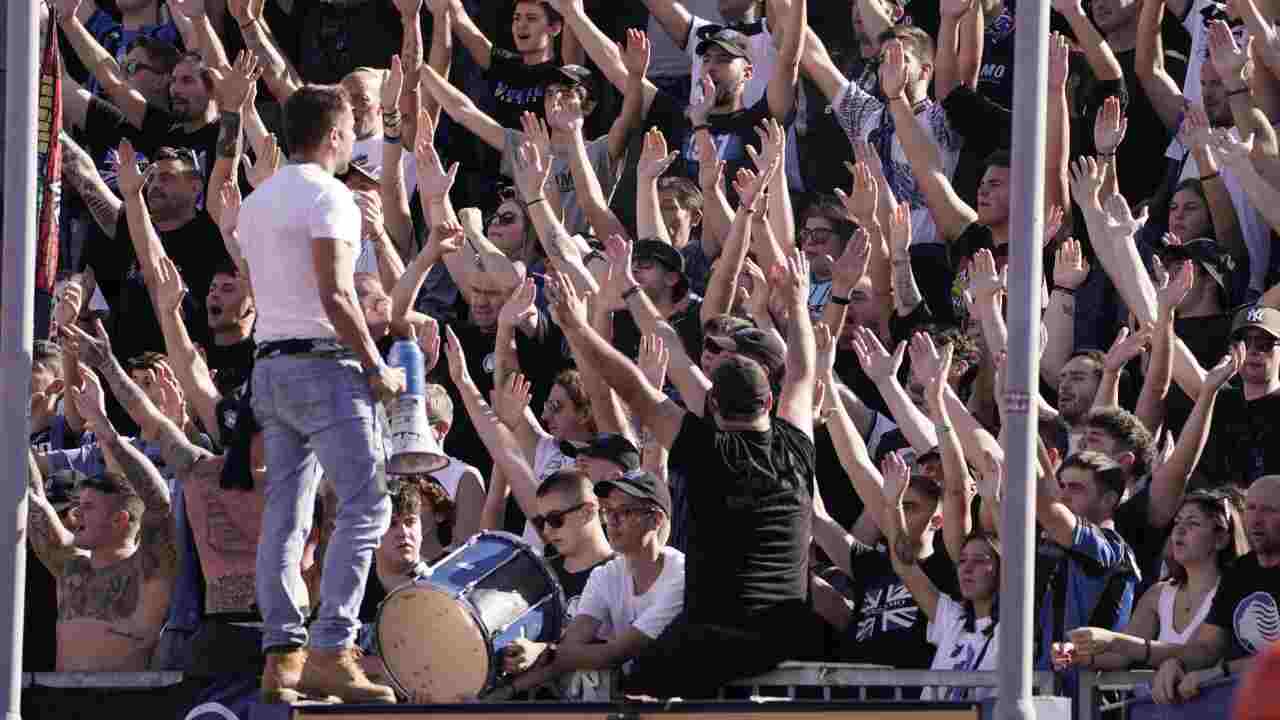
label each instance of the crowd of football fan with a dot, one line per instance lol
(718, 327)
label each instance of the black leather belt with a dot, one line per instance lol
(301, 346)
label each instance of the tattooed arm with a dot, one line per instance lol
(52, 542)
(80, 173)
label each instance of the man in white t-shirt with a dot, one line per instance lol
(315, 381)
(628, 601)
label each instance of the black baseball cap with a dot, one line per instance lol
(613, 447)
(665, 255)
(763, 347)
(639, 484)
(731, 41)
(1208, 255)
(580, 76)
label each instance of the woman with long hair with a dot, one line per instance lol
(1207, 537)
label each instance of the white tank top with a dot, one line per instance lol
(450, 476)
(1167, 596)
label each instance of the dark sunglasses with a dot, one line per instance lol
(554, 519)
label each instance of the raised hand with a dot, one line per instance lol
(1052, 224)
(877, 364)
(170, 290)
(654, 358)
(1120, 217)
(408, 9)
(984, 282)
(267, 165)
(92, 350)
(520, 305)
(654, 158)
(710, 166)
(1175, 287)
(131, 179)
(772, 141)
(900, 231)
(1109, 126)
(826, 347)
(428, 334)
(1195, 131)
(935, 393)
(89, 398)
(848, 270)
(955, 8)
(1070, 267)
(699, 112)
(568, 309)
(991, 479)
(1126, 347)
(1059, 62)
(531, 170)
(235, 84)
(511, 399)
(444, 238)
(926, 361)
(457, 358)
(173, 404)
(636, 54)
(758, 299)
(434, 182)
(893, 70)
(65, 10)
(1228, 58)
(861, 202)
(1231, 151)
(371, 220)
(794, 286)
(393, 81)
(70, 302)
(230, 217)
(897, 477)
(1226, 368)
(1087, 178)
(246, 11)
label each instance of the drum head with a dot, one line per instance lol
(432, 645)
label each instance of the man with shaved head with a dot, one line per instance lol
(1245, 617)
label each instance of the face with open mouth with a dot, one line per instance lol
(531, 28)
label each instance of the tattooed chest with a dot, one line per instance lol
(107, 594)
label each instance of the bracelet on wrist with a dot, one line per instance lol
(535, 201)
(1063, 288)
(1238, 91)
(1107, 154)
(393, 138)
(1211, 176)
(839, 300)
(252, 21)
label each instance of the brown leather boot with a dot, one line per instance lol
(282, 674)
(336, 671)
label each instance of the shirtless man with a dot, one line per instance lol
(116, 571)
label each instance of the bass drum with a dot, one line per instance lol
(440, 636)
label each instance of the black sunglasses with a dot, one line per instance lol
(554, 519)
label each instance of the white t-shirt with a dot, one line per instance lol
(668, 60)
(278, 223)
(864, 117)
(368, 152)
(547, 459)
(610, 597)
(959, 649)
(1196, 22)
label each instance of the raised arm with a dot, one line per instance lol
(957, 495)
(902, 551)
(391, 187)
(604, 53)
(531, 169)
(673, 17)
(591, 195)
(786, 72)
(463, 111)
(102, 64)
(1102, 61)
(651, 407)
(444, 239)
(82, 175)
(1159, 87)
(282, 80)
(1069, 272)
(51, 541)
(795, 403)
(882, 368)
(95, 351)
(723, 282)
(187, 362)
(637, 58)
(207, 42)
(472, 39)
(959, 46)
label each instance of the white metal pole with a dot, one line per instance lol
(1026, 206)
(21, 76)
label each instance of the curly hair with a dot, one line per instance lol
(1129, 433)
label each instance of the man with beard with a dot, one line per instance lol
(137, 231)
(1241, 621)
(116, 571)
(138, 20)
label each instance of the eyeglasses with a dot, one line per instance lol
(132, 67)
(501, 218)
(616, 516)
(556, 518)
(818, 235)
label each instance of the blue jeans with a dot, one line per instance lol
(317, 413)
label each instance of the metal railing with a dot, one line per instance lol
(793, 679)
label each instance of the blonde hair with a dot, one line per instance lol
(439, 405)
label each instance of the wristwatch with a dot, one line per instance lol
(374, 370)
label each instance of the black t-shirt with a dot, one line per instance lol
(541, 359)
(838, 495)
(1207, 337)
(1141, 156)
(196, 248)
(572, 583)
(1244, 441)
(161, 129)
(995, 77)
(231, 364)
(1247, 606)
(687, 322)
(1133, 522)
(732, 133)
(888, 627)
(104, 127)
(750, 509)
(517, 87)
